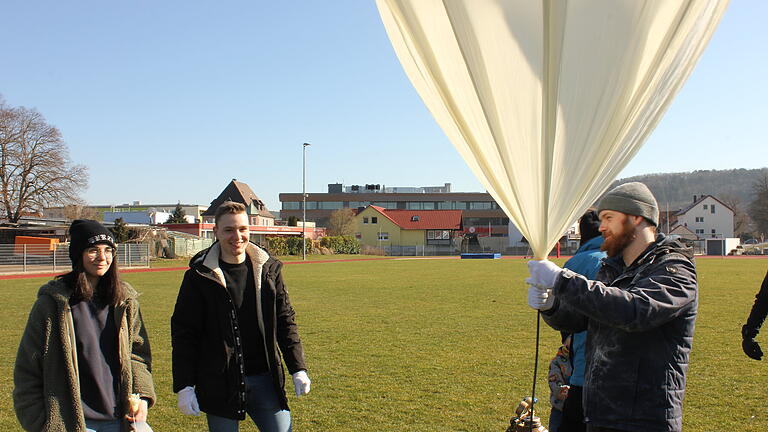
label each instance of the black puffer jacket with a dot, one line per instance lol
(640, 322)
(758, 312)
(207, 352)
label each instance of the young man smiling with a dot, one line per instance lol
(232, 320)
(639, 312)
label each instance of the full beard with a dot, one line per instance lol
(615, 243)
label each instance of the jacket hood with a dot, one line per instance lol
(591, 244)
(663, 245)
(207, 260)
(667, 244)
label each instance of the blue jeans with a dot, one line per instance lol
(102, 425)
(555, 419)
(262, 406)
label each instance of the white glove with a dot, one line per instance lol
(540, 298)
(188, 401)
(544, 273)
(301, 382)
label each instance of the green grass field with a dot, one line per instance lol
(434, 345)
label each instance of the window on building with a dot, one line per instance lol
(414, 206)
(374, 220)
(699, 218)
(705, 206)
(386, 204)
(290, 205)
(365, 220)
(383, 236)
(415, 218)
(358, 235)
(713, 231)
(712, 209)
(330, 205)
(699, 231)
(428, 206)
(481, 205)
(358, 204)
(438, 235)
(311, 205)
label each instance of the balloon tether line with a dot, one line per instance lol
(535, 367)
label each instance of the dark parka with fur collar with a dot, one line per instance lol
(207, 352)
(640, 322)
(46, 394)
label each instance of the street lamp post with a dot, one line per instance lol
(304, 201)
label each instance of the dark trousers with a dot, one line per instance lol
(602, 429)
(573, 412)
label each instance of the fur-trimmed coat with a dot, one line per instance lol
(207, 349)
(46, 394)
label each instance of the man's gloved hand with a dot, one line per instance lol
(540, 298)
(301, 383)
(749, 345)
(188, 401)
(544, 273)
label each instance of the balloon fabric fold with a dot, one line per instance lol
(547, 100)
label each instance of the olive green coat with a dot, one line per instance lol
(46, 394)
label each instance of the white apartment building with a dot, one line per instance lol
(707, 217)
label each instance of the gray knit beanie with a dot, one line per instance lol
(631, 198)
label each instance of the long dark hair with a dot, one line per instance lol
(109, 290)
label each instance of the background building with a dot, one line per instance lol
(392, 228)
(479, 210)
(242, 193)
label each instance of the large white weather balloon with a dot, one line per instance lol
(547, 100)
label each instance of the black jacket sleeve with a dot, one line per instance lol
(652, 301)
(186, 332)
(287, 331)
(759, 311)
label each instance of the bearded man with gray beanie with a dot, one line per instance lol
(639, 312)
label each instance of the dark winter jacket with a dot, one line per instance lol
(640, 322)
(207, 350)
(46, 394)
(758, 312)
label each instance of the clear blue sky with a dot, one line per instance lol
(168, 101)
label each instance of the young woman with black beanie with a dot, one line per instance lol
(84, 361)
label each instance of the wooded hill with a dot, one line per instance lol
(679, 188)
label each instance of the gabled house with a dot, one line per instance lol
(240, 192)
(382, 227)
(707, 217)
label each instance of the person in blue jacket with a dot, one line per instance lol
(586, 261)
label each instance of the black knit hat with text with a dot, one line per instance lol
(84, 233)
(632, 198)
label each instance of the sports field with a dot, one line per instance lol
(434, 345)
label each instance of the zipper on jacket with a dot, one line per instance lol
(235, 325)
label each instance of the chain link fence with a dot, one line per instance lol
(26, 258)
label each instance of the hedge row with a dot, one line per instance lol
(341, 244)
(292, 245)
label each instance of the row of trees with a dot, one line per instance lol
(35, 169)
(758, 208)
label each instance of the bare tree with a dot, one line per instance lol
(742, 223)
(35, 170)
(342, 222)
(79, 211)
(758, 208)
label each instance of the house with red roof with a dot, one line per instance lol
(382, 227)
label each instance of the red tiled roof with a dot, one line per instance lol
(427, 219)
